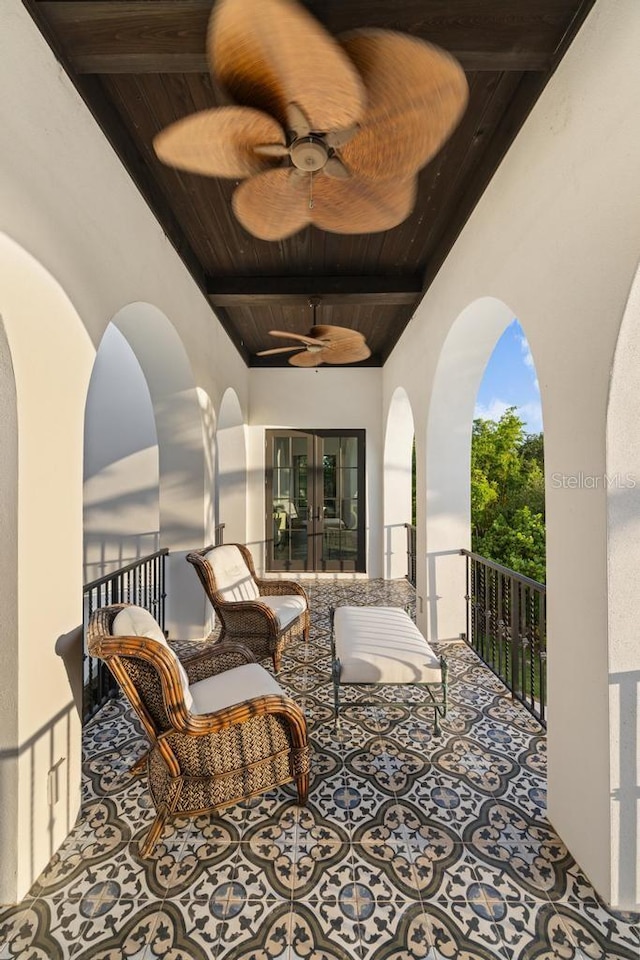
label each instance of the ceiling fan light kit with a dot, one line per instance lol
(324, 131)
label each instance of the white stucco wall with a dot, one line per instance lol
(398, 445)
(319, 398)
(556, 237)
(67, 201)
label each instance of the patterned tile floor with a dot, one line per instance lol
(411, 846)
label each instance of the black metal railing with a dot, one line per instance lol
(411, 553)
(506, 626)
(141, 582)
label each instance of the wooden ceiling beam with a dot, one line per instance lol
(262, 291)
(165, 36)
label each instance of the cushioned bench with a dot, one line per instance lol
(382, 645)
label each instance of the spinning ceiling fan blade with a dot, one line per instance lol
(273, 205)
(416, 94)
(306, 359)
(360, 206)
(346, 351)
(311, 340)
(269, 353)
(219, 143)
(325, 331)
(270, 53)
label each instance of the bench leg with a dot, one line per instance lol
(335, 673)
(440, 709)
(444, 667)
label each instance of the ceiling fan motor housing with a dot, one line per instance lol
(309, 153)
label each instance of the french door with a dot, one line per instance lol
(315, 482)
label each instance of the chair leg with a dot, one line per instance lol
(138, 767)
(154, 831)
(302, 783)
(277, 658)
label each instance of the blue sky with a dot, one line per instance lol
(510, 380)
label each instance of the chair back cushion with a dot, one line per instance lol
(233, 578)
(138, 622)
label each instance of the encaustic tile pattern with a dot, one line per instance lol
(411, 845)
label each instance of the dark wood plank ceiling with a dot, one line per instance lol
(140, 64)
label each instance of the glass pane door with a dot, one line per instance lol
(315, 500)
(340, 501)
(288, 503)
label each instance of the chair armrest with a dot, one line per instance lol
(205, 724)
(247, 608)
(217, 658)
(281, 588)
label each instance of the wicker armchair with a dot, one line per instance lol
(221, 728)
(264, 615)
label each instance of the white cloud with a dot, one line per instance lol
(492, 410)
(527, 358)
(530, 413)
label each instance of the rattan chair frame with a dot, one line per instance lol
(265, 737)
(249, 621)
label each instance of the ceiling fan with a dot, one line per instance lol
(330, 132)
(323, 344)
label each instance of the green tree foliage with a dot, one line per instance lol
(507, 494)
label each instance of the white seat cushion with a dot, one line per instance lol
(138, 622)
(286, 608)
(232, 687)
(382, 645)
(233, 578)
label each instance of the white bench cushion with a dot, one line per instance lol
(382, 645)
(233, 578)
(286, 608)
(138, 622)
(231, 687)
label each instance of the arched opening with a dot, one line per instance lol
(232, 468)
(45, 365)
(398, 449)
(121, 470)
(156, 352)
(464, 356)
(507, 460)
(622, 480)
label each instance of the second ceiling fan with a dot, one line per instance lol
(323, 344)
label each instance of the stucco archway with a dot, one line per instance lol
(398, 444)
(461, 365)
(121, 472)
(232, 468)
(623, 560)
(183, 464)
(46, 364)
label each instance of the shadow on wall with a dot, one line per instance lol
(396, 558)
(69, 647)
(625, 692)
(450, 565)
(55, 741)
(105, 552)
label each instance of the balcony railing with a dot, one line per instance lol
(411, 554)
(141, 582)
(506, 626)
